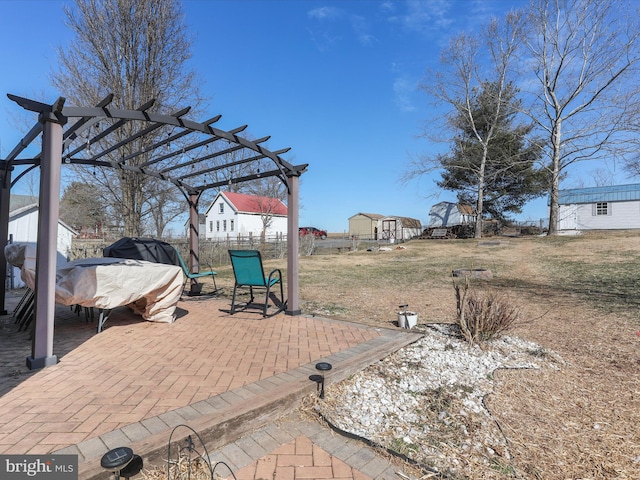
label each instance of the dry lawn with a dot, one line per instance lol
(579, 297)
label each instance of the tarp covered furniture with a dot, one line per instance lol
(151, 290)
(157, 251)
(249, 272)
(148, 249)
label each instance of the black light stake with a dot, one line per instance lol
(122, 461)
(323, 367)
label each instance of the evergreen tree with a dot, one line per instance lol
(82, 209)
(506, 175)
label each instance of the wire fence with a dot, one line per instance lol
(211, 252)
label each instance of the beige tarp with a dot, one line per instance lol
(149, 289)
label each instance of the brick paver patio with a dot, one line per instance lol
(128, 382)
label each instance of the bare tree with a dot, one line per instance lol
(270, 192)
(137, 51)
(585, 55)
(459, 84)
(632, 165)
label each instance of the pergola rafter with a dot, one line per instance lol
(139, 141)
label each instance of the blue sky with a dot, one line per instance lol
(334, 80)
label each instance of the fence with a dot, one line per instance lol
(211, 252)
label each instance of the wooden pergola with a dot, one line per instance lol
(156, 145)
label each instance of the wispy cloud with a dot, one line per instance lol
(325, 13)
(421, 16)
(362, 29)
(440, 16)
(329, 24)
(403, 90)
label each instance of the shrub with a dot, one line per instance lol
(482, 316)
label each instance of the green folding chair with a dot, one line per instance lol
(195, 276)
(249, 272)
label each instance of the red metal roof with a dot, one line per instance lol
(255, 204)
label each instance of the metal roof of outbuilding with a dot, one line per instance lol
(613, 193)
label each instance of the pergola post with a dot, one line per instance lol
(194, 239)
(46, 248)
(293, 206)
(5, 193)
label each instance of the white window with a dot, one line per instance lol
(231, 225)
(224, 225)
(211, 226)
(602, 208)
(217, 225)
(221, 207)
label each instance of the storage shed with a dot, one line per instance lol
(449, 214)
(23, 227)
(398, 229)
(364, 225)
(599, 208)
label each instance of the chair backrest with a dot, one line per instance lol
(247, 267)
(182, 264)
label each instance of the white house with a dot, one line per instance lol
(599, 208)
(23, 227)
(448, 214)
(232, 214)
(399, 228)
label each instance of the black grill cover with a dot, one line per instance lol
(148, 249)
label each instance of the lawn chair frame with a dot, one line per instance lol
(249, 272)
(195, 276)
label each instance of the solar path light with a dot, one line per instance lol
(323, 367)
(122, 462)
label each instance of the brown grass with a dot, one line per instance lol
(578, 296)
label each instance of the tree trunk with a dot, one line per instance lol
(480, 201)
(555, 180)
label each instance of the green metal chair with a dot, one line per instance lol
(249, 272)
(195, 276)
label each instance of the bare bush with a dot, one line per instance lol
(307, 245)
(482, 316)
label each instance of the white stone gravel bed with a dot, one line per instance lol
(426, 400)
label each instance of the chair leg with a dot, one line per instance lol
(233, 299)
(266, 302)
(184, 284)
(283, 303)
(102, 319)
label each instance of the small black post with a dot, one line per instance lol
(323, 367)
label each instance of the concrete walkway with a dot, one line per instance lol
(232, 379)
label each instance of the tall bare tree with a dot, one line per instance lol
(270, 191)
(585, 55)
(137, 51)
(468, 63)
